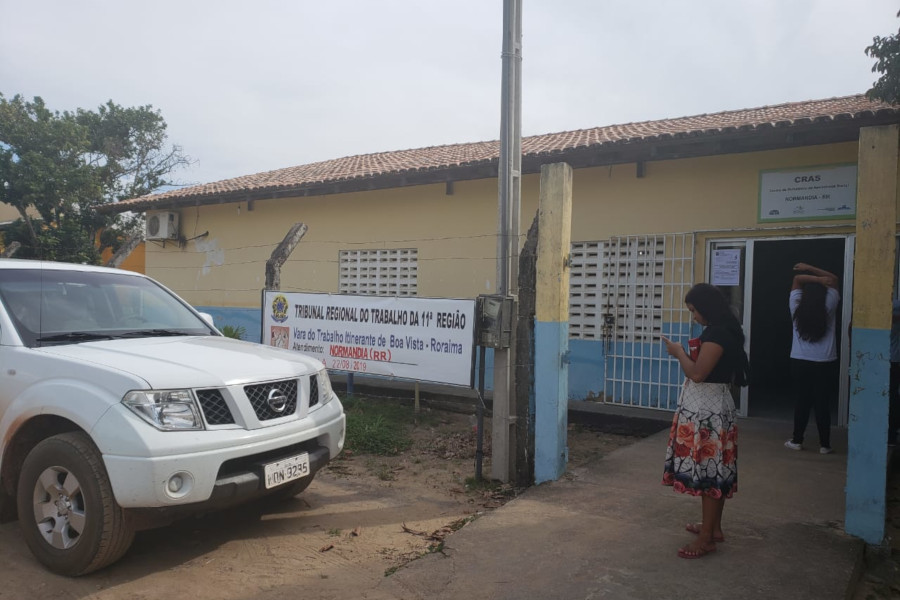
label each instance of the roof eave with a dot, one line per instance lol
(730, 140)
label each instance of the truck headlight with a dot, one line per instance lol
(324, 386)
(168, 410)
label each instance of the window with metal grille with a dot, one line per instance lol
(618, 288)
(585, 310)
(632, 286)
(641, 285)
(386, 272)
(618, 282)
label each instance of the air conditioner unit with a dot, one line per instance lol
(162, 225)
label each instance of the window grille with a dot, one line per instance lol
(385, 272)
(585, 279)
(632, 286)
(646, 278)
(627, 291)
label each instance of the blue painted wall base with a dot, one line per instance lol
(867, 435)
(551, 394)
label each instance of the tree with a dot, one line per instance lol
(236, 332)
(887, 52)
(59, 166)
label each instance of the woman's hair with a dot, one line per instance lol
(811, 315)
(710, 302)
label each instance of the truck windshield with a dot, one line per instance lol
(52, 307)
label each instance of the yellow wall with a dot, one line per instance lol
(875, 244)
(8, 213)
(455, 234)
(136, 261)
(709, 193)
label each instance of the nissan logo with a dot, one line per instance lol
(277, 400)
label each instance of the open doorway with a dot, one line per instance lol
(770, 336)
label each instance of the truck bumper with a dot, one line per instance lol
(230, 472)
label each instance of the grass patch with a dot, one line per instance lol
(483, 485)
(437, 544)
(382, 471)
(377, 426)
(460, 523)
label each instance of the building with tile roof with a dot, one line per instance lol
(735, 198)
(423, 222)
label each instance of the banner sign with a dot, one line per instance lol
(426, 339)
(827, 192)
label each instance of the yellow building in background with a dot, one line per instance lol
(733, 198)
(8, 213)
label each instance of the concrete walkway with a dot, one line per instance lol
(609, 529)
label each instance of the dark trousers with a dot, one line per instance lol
(894, 407)
(815, 385)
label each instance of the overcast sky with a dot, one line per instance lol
(247, 87)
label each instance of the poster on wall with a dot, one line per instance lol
(726, 267)
(812, 193)
(425, 339)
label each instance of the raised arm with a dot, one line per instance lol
(815, 275)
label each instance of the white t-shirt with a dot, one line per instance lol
(824, 349)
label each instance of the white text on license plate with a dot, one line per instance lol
(286, 470)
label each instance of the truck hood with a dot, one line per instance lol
(191, 362)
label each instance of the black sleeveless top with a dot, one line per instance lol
(730, 361)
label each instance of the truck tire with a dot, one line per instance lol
(69, 517)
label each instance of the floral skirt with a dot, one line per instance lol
(701, 457)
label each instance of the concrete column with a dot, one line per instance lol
(551, 327)
(876, 218)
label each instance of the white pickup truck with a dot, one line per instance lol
(121, 408)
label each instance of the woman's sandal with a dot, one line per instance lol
(688, 552)
(695, 529)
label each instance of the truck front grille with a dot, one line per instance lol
(313, 391)
(260, 394)
(214, 407)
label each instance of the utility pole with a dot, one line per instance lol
(509, 175)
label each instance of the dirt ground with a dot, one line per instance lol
(362, 517)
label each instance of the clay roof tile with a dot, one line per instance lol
(470, 154)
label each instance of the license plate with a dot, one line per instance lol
(287, 470)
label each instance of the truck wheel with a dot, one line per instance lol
(69, 517)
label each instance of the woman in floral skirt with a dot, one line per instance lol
(701, 458)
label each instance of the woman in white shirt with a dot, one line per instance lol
(813, 302)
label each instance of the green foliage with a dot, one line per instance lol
(56, 168)
(887, 52)
(483, 485)
(382, 471)
(436, 547)
(66, 242)
(231, 331)
(377, 427)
